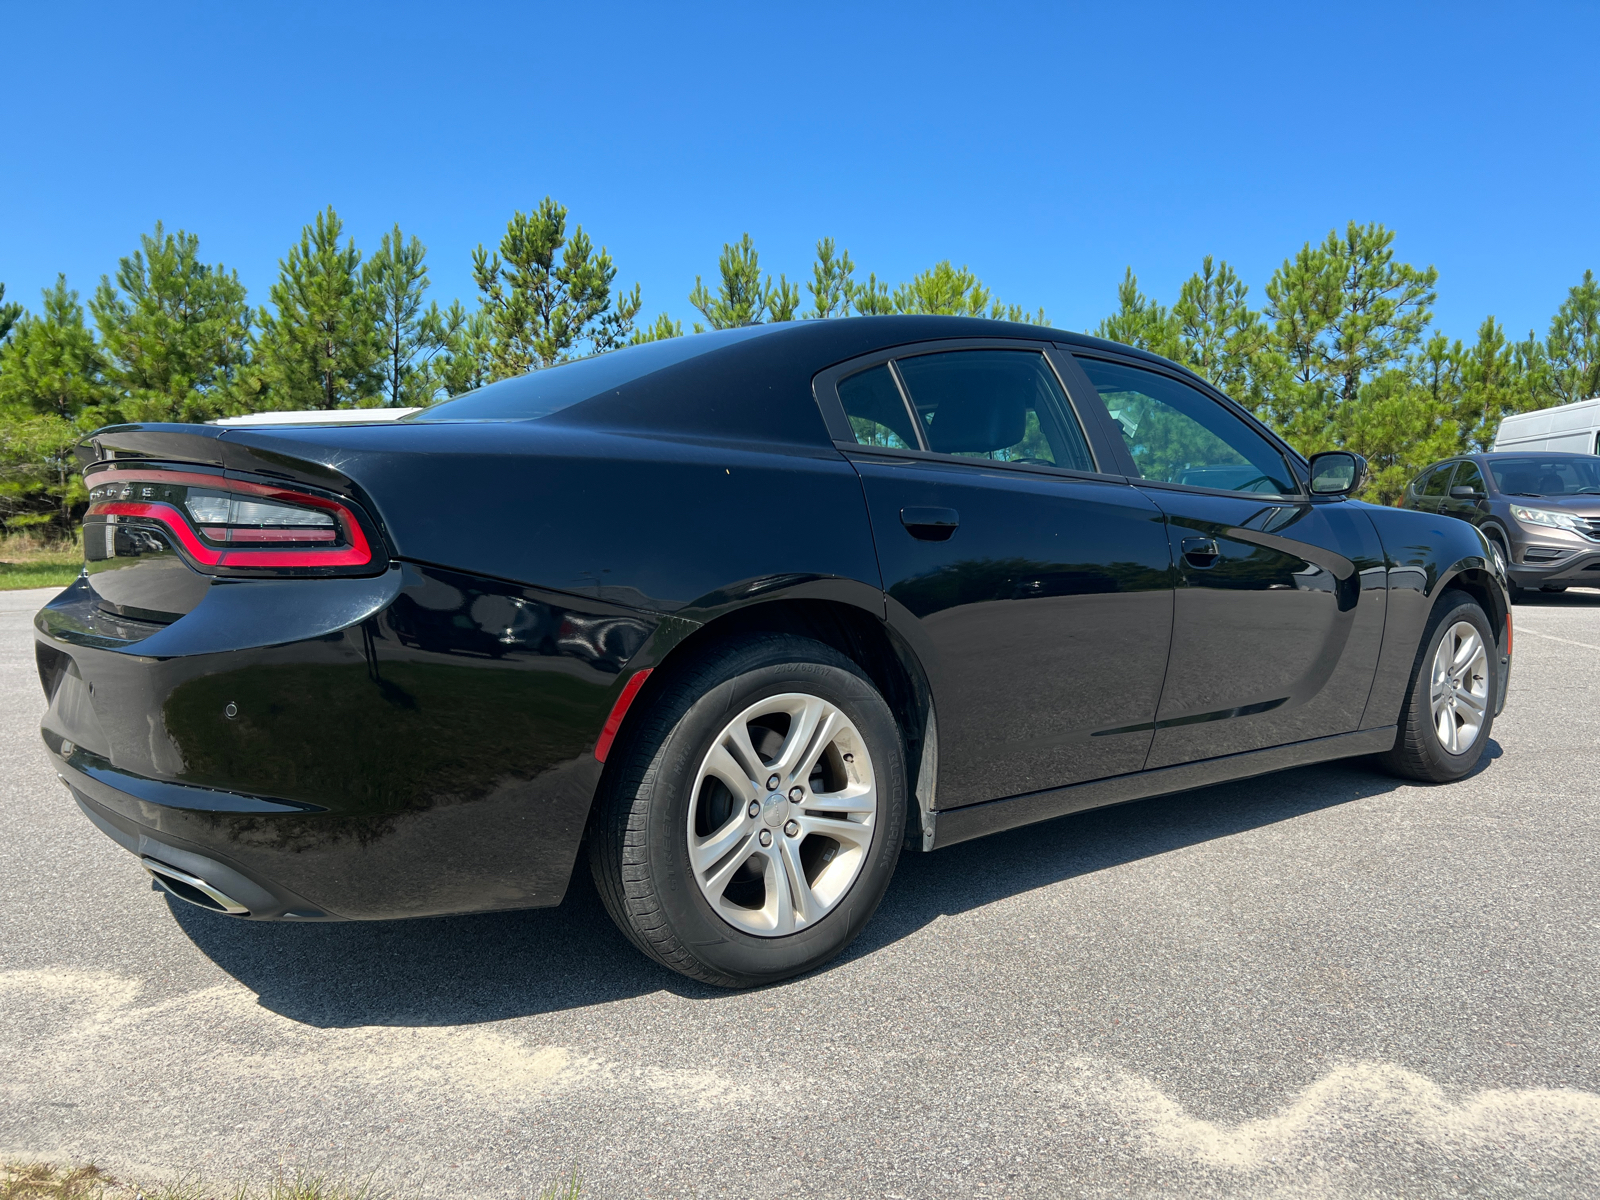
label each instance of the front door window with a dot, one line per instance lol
(1176, 434)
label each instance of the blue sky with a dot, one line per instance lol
(1047, 146)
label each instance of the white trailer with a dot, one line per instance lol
(1573, 428)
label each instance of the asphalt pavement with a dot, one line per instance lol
(1320, 983)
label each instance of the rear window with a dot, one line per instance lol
(541, 393)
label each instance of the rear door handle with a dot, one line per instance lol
(1201, 553)
(930, 524)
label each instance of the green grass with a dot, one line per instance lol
(25, 564)
(43, 1181)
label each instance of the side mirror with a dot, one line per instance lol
(1465, 493)
(1337, 473)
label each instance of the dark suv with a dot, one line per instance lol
(1540, 510)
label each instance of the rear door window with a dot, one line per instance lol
(1001, 406)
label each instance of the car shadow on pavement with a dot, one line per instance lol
(489, 967)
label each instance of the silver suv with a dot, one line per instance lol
(1540, 510)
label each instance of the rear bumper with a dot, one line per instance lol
(196, 873)
(321, 749)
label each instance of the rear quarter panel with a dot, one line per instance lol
(660, 523)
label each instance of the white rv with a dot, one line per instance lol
(1573, 428)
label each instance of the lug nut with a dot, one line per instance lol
(772, 783)
(754, 810)
(797, 794)
(230, 710)
(792, 828)
(766, 837)
(849, 758)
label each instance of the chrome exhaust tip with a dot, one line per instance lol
(192, 889)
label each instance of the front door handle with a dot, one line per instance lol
(1201, 553)
(930, 524)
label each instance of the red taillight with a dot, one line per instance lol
(213, 519)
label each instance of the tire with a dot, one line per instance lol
(1420, 752)
(670, 802)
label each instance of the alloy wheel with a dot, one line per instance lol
(1459, 689)
(783, 813)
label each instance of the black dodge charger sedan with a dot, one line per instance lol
(745, 614)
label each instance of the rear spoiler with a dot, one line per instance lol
(253, 451)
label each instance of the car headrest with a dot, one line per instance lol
(1551, 483)
(978, 420)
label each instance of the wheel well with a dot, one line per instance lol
(1478, 584)
(862, 638)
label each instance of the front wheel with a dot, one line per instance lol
(1449, 707)
(753, 820)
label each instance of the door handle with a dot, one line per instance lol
(1201, 553)
(930, 524)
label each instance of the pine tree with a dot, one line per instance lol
(1219, 334)
(1342, 313)
(943, 290)
(464, 359)
(53, 366)
(52, 391)
(396, 277)
(663, 328)
(1573, 346)
(1140, 322)
(743, 297)
(1398, 426)
(319, 348)
(541, 310)
(832, 285)
(9, 315)
(175, 331)
(872, 299)
(1492, 385)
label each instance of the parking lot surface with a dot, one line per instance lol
(1322, 982)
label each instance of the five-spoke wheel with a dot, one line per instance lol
(784, 813)
(751, 819)
(1460, 691)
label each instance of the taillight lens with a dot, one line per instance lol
(233, 524)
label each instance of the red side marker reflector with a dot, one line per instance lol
(618, 711)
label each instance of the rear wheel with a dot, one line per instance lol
(1449, 707)
(750, 826)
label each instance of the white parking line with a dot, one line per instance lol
(1522, 629)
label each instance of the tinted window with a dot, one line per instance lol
(540, 393)
(878, 415)
(1438, 482)
(1468, 475)
(1001, 405)
(1176, 434)
(1535, 476)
